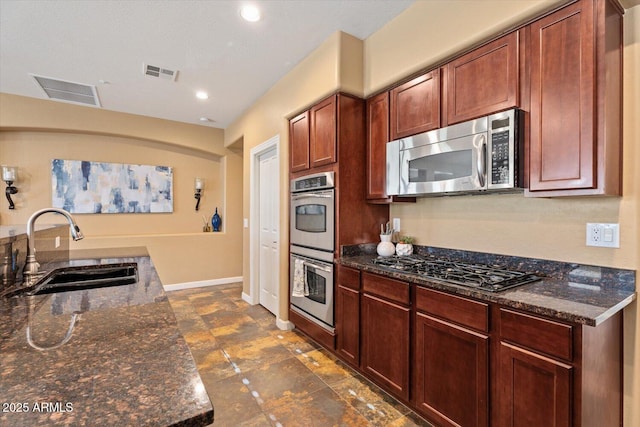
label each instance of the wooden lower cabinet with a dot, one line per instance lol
(451, 358)
(451, 373)
(555, 374)
(458, 361)
(348, 315)
(534, 390)
(385, 344)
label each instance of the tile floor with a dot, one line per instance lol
(259, 375)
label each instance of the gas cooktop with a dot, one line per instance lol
(480, 276)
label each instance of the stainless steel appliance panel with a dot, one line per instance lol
(317, 306)
(448, 166)
(479, 155)
(313, 212)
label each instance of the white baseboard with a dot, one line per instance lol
(284, 325)
(202, 284)
(249, 299)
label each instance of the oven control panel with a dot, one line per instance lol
(313, 182)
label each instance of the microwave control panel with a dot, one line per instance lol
(500, 154)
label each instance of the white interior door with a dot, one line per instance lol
(269, 230)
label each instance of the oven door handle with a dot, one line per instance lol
(311, 196)
(318, 267)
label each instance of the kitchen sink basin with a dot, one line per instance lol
(86, 277)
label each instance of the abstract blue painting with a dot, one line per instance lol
(80, 186)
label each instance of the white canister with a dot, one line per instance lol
(386, 247)
(404, 248)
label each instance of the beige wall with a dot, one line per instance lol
(314, 78)
(430, 31)
(180, 251)
(546, 228)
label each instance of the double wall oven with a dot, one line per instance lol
(312, 239)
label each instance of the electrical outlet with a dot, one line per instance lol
(57, 243)
(396, 224)
(603, 235)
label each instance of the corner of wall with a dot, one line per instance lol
(351, 65)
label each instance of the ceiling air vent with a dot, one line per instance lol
(159, 72)
(63, 90)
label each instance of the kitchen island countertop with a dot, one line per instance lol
(125, 363)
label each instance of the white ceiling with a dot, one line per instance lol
(208, 42)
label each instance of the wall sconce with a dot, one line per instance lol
(199, 184)
(8, 176)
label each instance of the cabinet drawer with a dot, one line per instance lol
(547, 336)
(390, 289)
(348, 277)
(463, 311)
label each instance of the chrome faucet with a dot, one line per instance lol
(31, 267)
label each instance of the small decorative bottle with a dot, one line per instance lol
(216, 221)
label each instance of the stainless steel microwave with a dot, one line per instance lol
(484, 154)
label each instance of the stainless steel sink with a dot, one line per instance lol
(86, 277)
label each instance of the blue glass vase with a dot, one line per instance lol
(216, 221)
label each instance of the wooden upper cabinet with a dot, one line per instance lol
(483, 81)
(575, 131)
(415, 106)
(377, 138)
(299, 142)
(323, 137)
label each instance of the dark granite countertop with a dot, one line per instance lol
(576, 293)
(125, 363)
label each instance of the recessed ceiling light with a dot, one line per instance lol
(206, 120)
(202, 95)
(250, 13)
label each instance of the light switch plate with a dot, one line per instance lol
(57, 241)
(245, 222)
(396, 224)
(603, 235)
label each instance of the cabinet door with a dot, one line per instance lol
(348, 324)
(451, 373)
(562, 146)
(483, 81)
(348, 314)
(385, 344)
(299, 142)
(533, 390)
(377, 138)
(323, 133)
(415, 106)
